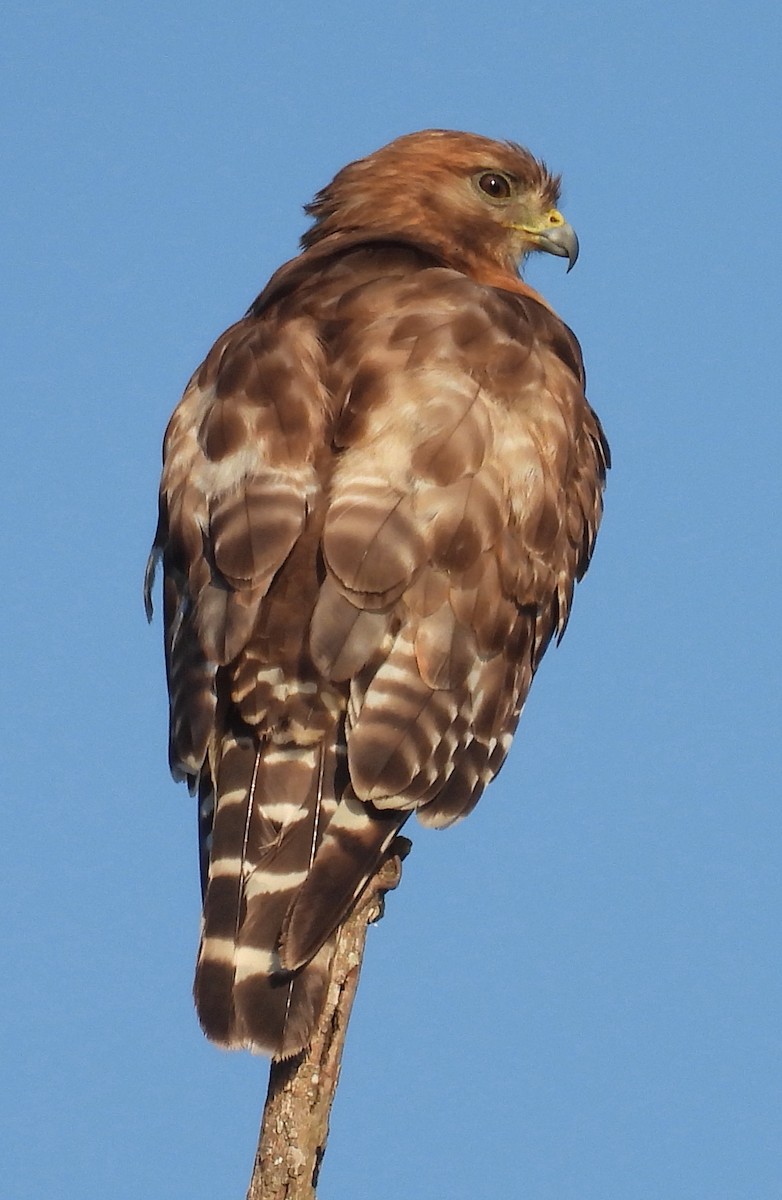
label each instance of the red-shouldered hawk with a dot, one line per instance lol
(378, 492)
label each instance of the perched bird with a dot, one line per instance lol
(378, 491)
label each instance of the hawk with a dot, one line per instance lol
(378, 492)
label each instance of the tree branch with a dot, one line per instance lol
(295, 1124)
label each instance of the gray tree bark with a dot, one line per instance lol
(295, 1124)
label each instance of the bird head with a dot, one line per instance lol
(479, 203)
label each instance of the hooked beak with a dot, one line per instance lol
(553, 235)
(562, 241)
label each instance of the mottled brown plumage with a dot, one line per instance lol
(378, 492)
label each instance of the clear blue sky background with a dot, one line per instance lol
(575, 995)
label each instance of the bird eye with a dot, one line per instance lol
(494, 185)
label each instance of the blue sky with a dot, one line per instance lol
(575, 995)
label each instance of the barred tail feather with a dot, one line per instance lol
(271, 805)
(353, 847)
